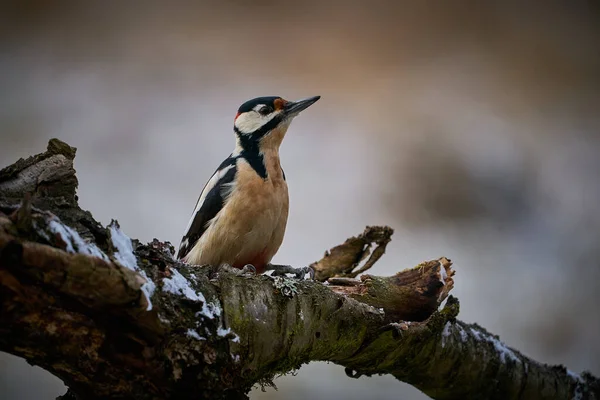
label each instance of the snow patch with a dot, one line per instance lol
(446, 333)
(123, 254)
(213, 310)
(578, 392)
(463, 333)
(574, 375)
(177, 284)
(224, 332)
(477, 334)
(122, 244)
(194, 335)
(443, 274)
(500, 347)
(504, 351)
(74, 242)
(210, 310)
(148, 288)
(123, 247)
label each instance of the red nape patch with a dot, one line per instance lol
(236, 116)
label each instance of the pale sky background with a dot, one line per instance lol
(472, 128)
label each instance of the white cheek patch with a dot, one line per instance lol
(251, 121)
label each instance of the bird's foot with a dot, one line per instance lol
(249, 270)
(304, 273)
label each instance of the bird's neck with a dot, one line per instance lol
(252, 153)
(268, 144)
(262, 154)
(271, 142)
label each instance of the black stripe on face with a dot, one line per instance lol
(250, 143)
(213, 203)
(260, 132)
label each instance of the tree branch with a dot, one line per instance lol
(117, 319)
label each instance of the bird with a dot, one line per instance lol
(241, 214)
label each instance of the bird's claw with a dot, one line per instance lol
(307, 271)
(298, 273)
(249, 270)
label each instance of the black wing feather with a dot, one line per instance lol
(213, 203)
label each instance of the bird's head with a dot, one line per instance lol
(265, 120)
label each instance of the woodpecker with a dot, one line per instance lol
(241, 214)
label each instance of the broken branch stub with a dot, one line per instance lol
(410, 295)
(344, 260)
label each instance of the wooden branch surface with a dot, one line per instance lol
(117, 319)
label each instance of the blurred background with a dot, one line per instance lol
(472, 128)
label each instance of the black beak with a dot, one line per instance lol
(293, 108)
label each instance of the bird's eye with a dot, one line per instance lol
(265, 110)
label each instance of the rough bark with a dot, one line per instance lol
(114, 318)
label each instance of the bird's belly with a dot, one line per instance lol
(247, 236)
